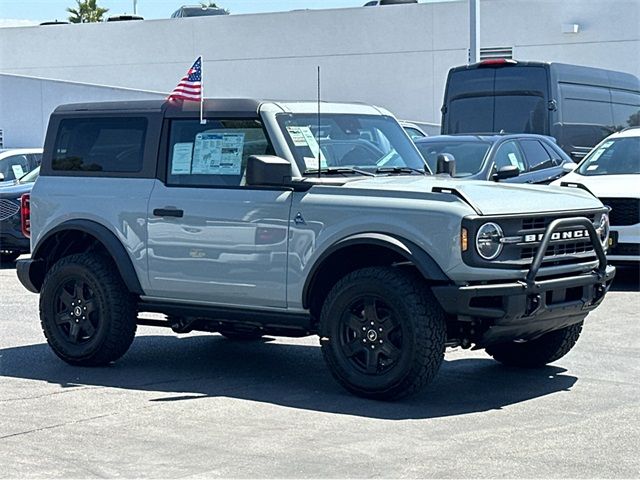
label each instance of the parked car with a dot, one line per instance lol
(377, 3)
(139, 205)
(13, 243)
(198, 11)
(413, 130)
(612, 172)
(16, 162)
(123, 18)
(514, 158)
(578, 106)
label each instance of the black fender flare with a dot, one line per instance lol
(426, 265)
(107, 238)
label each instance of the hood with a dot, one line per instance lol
(606, 186)
(488, 198)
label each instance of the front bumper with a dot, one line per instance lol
(526, 309)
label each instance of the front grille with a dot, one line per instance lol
(624, 211)
(8, 208)
(523, 235)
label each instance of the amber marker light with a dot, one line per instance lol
(464, 239)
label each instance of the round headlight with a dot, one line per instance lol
(488, 242)
(603, 230)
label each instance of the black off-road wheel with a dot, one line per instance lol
(382, 333)
(539, 352)
(87, 314)
(8, 256)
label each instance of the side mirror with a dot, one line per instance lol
(1, 177)
(569, 167)
(446, 164)
(508, 171)
(268, 170)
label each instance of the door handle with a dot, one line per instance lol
(168, 212)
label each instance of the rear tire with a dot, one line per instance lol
(87, 314)
(383, 333)
(539, 352)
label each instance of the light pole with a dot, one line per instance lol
(474, 31)
(135, 2)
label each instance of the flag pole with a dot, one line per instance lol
(202, 121)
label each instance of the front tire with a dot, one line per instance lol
(383, 333)
(87, 314)
(539, 352)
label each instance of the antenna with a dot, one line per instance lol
(318, 130)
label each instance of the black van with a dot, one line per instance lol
(577, 105)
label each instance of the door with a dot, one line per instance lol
(210, 237)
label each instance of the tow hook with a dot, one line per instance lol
(600, 290)
(533, 304)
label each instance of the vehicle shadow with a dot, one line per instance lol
(7, 265)
(294, 376)
(627, 279)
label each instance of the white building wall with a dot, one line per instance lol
(26, 103)
(394, 56)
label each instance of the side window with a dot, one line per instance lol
(36, 160)
(14, 167)
(107, 145)
(537, 156)
(509, 154)
(214, 154)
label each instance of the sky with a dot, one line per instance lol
(29, 12)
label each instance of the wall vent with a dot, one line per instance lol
(490, 53)
(1, 139)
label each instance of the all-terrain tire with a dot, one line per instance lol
(382, 333)
(539, 352)
(87, 314)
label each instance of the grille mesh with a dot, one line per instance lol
(624, 211)
(8, 209)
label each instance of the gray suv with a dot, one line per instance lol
(279, 218)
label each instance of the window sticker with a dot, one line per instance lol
(592, 167)
(218, 154)
(296, 135)
(181, 159)
(597, 154)
(302, 137)
(513, 159)
(17, 170)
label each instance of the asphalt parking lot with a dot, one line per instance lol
(201, 406)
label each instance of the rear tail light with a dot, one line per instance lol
(25, 214)
(493, 62)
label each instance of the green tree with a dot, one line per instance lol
(213, 5)
(87, 11)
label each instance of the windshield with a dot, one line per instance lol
(469, 155)
(620, 156)
(363, 142)
(30, 177)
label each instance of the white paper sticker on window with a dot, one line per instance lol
(17, 170)
(592, 167)
(218, 154)
(296, 135)
(181, 159)
(513, 159)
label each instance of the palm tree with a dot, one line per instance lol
(86, 12)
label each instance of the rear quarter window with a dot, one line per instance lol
(109, 145)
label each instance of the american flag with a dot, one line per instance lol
(190, 86)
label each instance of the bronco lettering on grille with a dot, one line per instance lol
(570, 235)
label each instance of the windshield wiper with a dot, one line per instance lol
(400, 170)
(338, 170)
